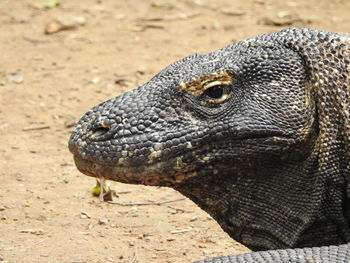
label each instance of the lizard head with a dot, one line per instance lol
(205, 111)
(235, 130)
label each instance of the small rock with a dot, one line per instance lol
(102, 220)
(64, 23)
(53, 27)
(193, 218)
(285, 19)
(95, 80)
(70, 123)
(84, 215)
(14, 78)
(134, 209)
(123, 82)
(141, 70)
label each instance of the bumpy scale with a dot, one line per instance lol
(257, 134)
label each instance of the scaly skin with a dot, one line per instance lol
(257, 134)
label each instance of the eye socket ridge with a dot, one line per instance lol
(217, 92)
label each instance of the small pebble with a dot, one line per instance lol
(193, 218)
(14, 78)
(95, 80)
(102, 220)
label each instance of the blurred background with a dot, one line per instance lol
(58, 58)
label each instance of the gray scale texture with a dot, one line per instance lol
(256, 134)
(331, 254)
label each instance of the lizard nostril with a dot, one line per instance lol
(101, 130)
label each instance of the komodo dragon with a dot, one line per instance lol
(257, 134)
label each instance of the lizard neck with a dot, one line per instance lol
(278, 205)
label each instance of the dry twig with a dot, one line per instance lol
(146, 203)
(36, 127)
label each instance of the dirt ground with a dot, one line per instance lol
(100, 49)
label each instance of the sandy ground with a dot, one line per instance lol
(47, 81)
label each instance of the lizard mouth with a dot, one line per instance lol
(158, 174)
(164, 172)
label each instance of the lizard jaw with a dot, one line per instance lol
(154, 174)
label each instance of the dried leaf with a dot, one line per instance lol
(103, 190)
(47, 4)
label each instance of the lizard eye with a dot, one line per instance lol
(216, 93)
